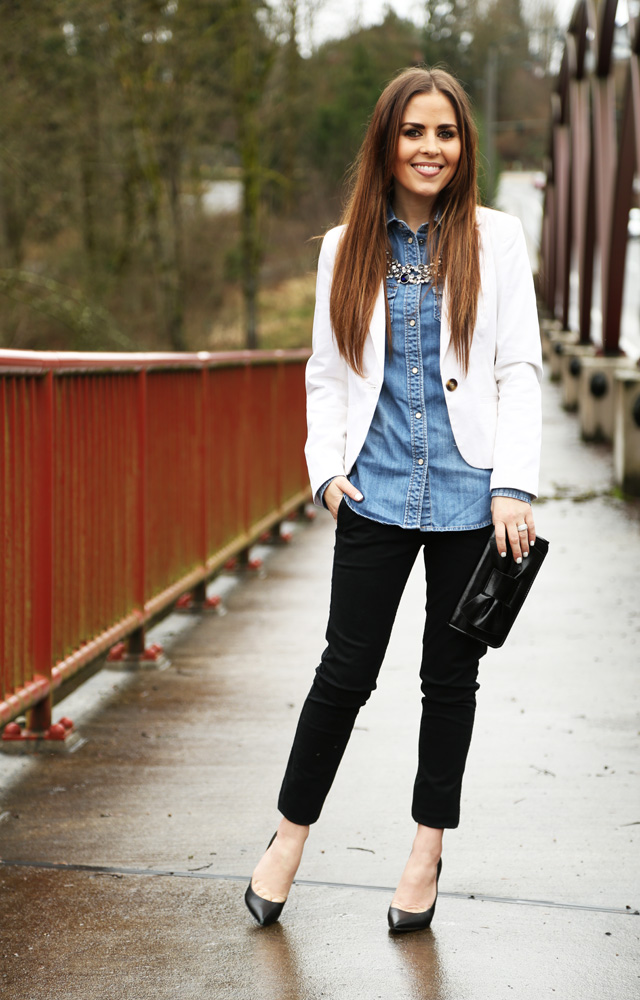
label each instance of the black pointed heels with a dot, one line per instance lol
(264, 910)
(403, 920)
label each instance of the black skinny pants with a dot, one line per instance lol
(372, 562)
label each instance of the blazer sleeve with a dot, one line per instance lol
(326, 382)
(518, 365)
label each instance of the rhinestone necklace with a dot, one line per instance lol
(412, 274)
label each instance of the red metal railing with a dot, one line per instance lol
(126, 480)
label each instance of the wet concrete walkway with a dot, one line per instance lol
(173, 794)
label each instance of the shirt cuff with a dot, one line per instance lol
(515, 494)
(320, 493)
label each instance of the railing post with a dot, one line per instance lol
(280, 417)
(39, 716)
(136, 640)
(4, 560)
(136, 654)
(245, 450)
(135, 644)
(198, 596)
(205, 471)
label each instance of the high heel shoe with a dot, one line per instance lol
(264, 910)
(404, 920)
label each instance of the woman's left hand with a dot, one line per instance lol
(508, 514)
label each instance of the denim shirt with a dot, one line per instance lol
(410, 471)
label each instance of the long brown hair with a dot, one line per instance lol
(361, 261)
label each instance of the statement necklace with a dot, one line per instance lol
(412, 274)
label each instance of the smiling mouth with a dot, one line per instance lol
(427, 169)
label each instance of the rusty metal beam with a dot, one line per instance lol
(628, 162)
(590, 178)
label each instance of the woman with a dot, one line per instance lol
(422, 438)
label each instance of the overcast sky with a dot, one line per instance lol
(337, 17)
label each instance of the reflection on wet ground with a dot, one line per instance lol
(89, 937)
(419, 957)
(282, 971)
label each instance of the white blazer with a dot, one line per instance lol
(495, 410)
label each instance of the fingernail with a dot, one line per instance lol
(532, 542)
(503, 554)
(525, 554)
(519, 559)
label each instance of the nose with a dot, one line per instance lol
(429, 143)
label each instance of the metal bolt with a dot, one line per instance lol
(575, 366)
(56, 732)
(598, 385)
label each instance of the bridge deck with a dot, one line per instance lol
(181, 768)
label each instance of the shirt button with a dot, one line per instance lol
(452, 384)
(421, 241)
(412, 322)
(418, 415)
(421, 461)
(414, 371)
(410, 240)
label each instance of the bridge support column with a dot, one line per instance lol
(548, 327)
(595, 396)
(570, 368)
(558, 340)
(626, 446)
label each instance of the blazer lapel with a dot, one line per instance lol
(445, 332)
(378, 328)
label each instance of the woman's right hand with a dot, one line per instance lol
(336, 490)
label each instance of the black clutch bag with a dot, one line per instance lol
(496, 592)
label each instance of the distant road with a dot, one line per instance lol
(518, 195)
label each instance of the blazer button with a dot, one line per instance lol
(452, 384)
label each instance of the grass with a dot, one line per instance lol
(285, 316)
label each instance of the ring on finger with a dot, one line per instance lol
(521, 527)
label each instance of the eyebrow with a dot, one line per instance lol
(421, 125)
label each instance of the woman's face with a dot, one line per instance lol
(429, 148)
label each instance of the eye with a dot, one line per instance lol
(446, 133)
(412, 132)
